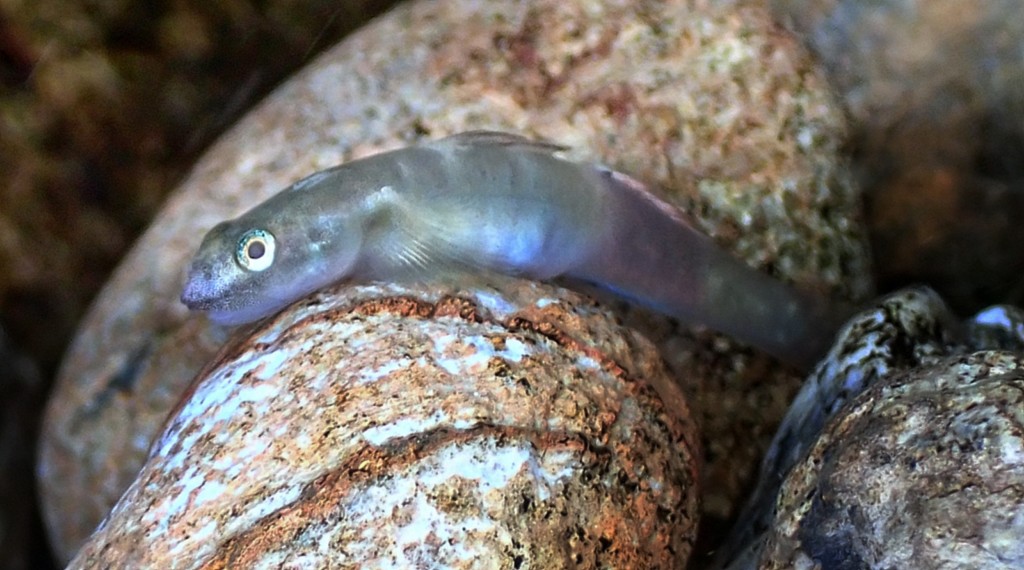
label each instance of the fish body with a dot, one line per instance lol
(490, 201)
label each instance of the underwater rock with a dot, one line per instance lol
(904, 449)
(383, 426)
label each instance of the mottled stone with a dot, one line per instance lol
(898, 437)
(389, 427)
(708, 101)
(997, 327)
(904, 330)
(924, 470)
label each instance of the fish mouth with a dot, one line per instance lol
(200, 292)
(194, 298)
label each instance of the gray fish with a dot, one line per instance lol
(485, 201)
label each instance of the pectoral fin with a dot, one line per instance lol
(405, 244)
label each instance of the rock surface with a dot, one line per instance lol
(903, 449)
(390, 427)
(923, 470)
(710, 102)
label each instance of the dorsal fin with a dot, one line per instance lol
(498, 138)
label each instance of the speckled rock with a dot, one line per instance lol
(708, 101)
(924, 470)
(919, 462)
(389, 427)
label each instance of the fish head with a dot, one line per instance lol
(248, 268)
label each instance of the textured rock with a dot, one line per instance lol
(388, 427)
(924, 470)
(710, 102)
(900, 449)
(906, 329)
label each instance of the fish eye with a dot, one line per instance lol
(256, 250)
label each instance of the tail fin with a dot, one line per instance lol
(652, 254)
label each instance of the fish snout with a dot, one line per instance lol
(199, 292)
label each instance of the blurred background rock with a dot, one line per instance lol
(103, 106)
(935, 91)
(105, 103)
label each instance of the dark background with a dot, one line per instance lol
(103, 106)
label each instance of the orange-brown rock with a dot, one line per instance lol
(388, 427)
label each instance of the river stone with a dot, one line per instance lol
(382, 426)
(935, 92)
(923, 470)
(902, 449)
(709, 101)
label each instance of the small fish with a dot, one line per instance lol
(496, 202)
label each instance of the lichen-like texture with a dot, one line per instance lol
(707, 100)
(387, 427)
(907, 329)
(909, 424)
(924, 470)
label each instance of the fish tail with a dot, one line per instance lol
(652, 254)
